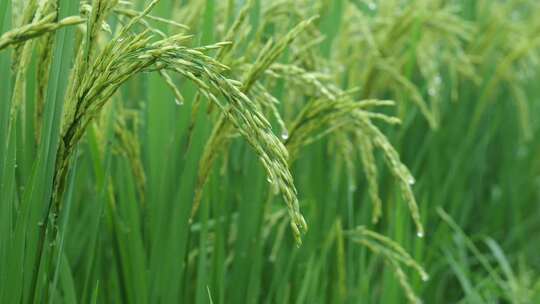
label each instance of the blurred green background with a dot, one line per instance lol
(463, 74)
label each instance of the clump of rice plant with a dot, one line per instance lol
(122, 178)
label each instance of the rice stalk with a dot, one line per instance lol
(322, 117)
(44, 51)
(129, 146)
(43, 26)
(394, 256)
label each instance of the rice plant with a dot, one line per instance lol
(250, 151)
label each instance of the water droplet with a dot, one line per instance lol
(285, 134)
(179, 102)
(372, 5)
(425, 277)
(432, 91)
(273, 186)
(420, 234)
(411, 180)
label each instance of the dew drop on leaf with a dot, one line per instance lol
(285, 134)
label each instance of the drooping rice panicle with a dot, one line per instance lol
(219, 136)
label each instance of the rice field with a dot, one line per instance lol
(257, 151)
